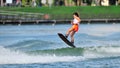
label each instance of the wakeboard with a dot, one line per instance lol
(65, 40)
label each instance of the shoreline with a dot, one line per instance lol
(56, 15)
(83, 21)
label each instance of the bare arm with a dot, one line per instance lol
(79, 20)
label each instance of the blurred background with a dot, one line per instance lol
(36, 11)
(59, 2)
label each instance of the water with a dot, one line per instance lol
(38, 46)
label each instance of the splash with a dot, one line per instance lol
(15, 57)
(102, 51)
(8, 56)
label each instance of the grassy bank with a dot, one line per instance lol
(85, 12)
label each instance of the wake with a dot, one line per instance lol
(15, 57)
(8, 56)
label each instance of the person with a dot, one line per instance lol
(74, 28)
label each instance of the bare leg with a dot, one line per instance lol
(68, 32)
(72, 36)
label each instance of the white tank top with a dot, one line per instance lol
(75, 21)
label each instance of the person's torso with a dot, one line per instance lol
(75, 21)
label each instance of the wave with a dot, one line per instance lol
(8, 56)
(102, 51)
(82, 51)
(28, 45)
(80, 39)
(59, 52)
(40, 51)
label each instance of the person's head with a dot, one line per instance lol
(75, 14)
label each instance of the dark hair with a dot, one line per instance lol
(75, 13)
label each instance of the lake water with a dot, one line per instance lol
(38, 46)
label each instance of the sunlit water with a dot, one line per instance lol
(38, 46)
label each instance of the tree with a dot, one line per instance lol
(1, 2)
(77, 2)
(112, 2)
(118, 2)
(89, 2)
(69, 2)
(66, 2)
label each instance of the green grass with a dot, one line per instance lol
(66, 12)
